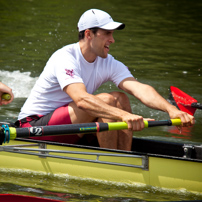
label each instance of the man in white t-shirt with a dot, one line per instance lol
(64, 91)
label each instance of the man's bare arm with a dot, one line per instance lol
(151, 98)
(98, 108)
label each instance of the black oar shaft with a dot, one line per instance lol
(61, 129)
(196, 105)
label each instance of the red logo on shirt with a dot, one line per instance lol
(70, 72)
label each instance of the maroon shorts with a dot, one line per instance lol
(58, 117)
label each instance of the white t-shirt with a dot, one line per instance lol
(66, 66)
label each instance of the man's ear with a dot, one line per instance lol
(88, 34)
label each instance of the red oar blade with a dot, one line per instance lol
(182, 100)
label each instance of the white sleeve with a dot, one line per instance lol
(119, 72)
(67, 71)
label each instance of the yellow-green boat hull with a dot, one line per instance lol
(161, 171)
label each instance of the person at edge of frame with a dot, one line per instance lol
(64, 91)
(5, 89)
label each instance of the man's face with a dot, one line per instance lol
(101, 41)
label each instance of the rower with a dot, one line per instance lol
(64, 92)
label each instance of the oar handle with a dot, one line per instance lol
(147, 124)
(124, 125)
(169, 122)
(6, 96)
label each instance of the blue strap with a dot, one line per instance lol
(7, 133)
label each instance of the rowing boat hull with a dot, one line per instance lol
(122, 167)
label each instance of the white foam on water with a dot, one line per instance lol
(20, 82)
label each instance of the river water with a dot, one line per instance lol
(161, 45)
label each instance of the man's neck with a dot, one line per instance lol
(86, 51)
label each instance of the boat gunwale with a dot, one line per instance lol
(118, 151)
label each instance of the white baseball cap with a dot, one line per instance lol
(97, 18)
